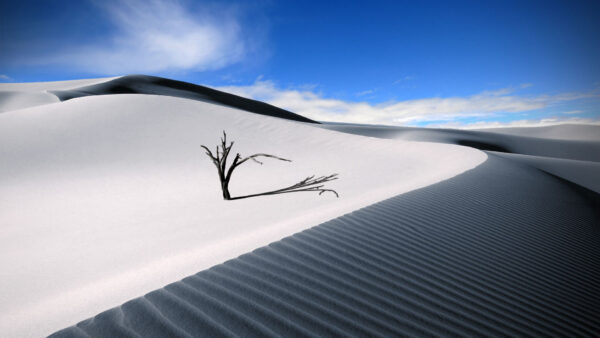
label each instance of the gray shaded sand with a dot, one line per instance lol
(583, 173)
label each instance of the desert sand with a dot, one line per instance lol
(106, 197)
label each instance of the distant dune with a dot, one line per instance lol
(583, 173)
(15, 96)
(574, 132)
(105, 198)
(574, 160)
(583, 150)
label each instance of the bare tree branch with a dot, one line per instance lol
(226, 150)
(308, 184)
(253, 158)
(237, 161)
(210, 154)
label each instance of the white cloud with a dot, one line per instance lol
(317, 107)
(573, 112)
(5, 77)
(517, 123)
(406, 78)
(159, 35)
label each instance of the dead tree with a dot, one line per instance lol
(219, 159)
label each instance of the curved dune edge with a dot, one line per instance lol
(470, 256)
(107, 187)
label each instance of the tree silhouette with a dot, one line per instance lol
(219, 159)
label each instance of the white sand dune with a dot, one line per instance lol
(105, 198)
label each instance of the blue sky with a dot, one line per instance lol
(425, 63)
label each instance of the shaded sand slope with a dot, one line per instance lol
(144, 84)
(584, 150)
(515, 255)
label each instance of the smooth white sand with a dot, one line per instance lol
(105, 198)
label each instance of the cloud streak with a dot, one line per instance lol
(484, 104)
(157, 35)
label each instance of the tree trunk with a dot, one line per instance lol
(225, 188)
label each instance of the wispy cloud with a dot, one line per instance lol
(365, 92)
(484, 104)
(404, 79)
(159, 35)
(4, 77)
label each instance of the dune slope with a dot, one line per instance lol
(516, 255)
(583, 173)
